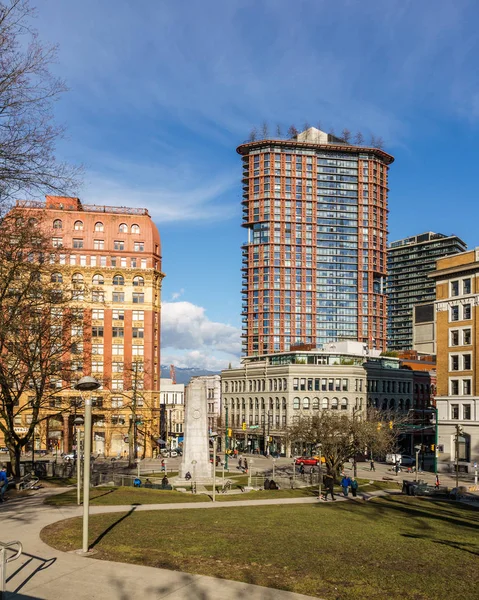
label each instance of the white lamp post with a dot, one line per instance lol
(78, 421)
(215, 437)
(86, 386)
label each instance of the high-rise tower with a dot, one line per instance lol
(410, 261)
(314, 264)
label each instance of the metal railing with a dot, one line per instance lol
(4, 546)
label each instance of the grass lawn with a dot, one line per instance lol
(396, 547)
(110, 496)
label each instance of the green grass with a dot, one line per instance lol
(111, 496)
(394, 547)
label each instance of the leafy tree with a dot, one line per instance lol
(343, 436)
(27, 92)
(40, 317)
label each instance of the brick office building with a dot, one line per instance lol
(115, 253)
(457, 335)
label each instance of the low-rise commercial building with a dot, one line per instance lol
(268, 394)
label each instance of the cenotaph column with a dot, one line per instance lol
(196, 453)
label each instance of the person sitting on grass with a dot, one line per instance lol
(148, 484)
(164, 481)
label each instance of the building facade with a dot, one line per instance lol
(457, 323)
(172, 412)
(409, 263)
(314, 263)
(113, 257)
(268, 394)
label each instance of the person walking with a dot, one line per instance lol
(245, 466)
(3, 483)
(301, 469)
(329, 486)
(240, 462)
(345, 483)
(354, 487)
(371, 465)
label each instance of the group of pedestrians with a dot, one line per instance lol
(347, 483)
(243, 464)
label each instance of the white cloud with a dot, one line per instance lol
(176, 295)
(189, 338)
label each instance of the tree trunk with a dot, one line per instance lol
(15, 461)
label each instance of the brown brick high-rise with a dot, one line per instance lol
(314, 263)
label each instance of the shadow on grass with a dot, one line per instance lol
(386, 504)
(463, 546)
(112, 526)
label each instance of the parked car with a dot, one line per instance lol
(218, 459)
(407, 460)
(306, 460)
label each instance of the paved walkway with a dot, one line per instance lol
(45, 573)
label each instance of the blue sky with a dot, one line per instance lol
(162, 92)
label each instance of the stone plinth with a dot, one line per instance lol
(196, 441)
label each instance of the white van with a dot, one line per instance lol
(392, 459)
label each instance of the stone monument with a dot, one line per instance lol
(196, 452)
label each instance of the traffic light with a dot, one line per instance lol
(433, 447)
(230, 432)
(390, 424)
(244, 426)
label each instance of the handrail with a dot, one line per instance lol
(4, 546)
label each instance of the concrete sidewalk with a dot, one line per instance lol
(45, 573)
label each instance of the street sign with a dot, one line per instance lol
(254, 426)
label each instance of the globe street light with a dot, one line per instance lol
(86, 386)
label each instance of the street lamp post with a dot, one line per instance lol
(86, 386)
(418, 449)
(319, 471)
(214, 436)
(77, 422)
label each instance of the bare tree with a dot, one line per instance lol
(318, 125)
(264, 130)
(379, 143)
(27, 92)
(279, 133)
(359, 139)
(343, 436)
(253, 135)
(346, 135)
(292, 131)
(40, 318)
(372, 141)
(306, 126)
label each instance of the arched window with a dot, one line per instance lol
(123, 228)
(296, 403)
(78, 225)
(344, 404)
(384, 405)
(324, 403)
(77, 278)
(118, 280)
(57, 224)
(285, 387)
(226, 388)
(315, 403)
(408, 404)
(33, 222)
(135, 228)
(306, 403)
(138, 280)
(57, 278)
(392, 404)
(99, 226)
(98, 279)
(334, 404)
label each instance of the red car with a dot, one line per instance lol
(306, 460)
